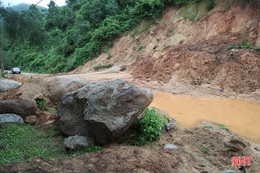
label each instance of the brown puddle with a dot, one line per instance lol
(241, 116)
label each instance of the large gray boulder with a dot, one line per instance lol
(6, 84)
(61, 85)
(102, 110)
(23, 108)
(10, 118)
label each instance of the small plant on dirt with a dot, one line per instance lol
(205, 149)
(170, 30)
(244, 45)
(85, 150)
(102, 66)
(257, 48)
(225, 149)
(42, 104)
(207, 126)
(150, 127)
(222, 126)
(140, 48)
(52, 111)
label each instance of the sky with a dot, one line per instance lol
(43, 3)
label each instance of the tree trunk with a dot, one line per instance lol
(1, 58)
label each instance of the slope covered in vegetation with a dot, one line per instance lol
(68, 36)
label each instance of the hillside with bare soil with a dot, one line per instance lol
(192, 46)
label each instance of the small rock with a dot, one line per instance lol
(228, 171)
(30, 119)
(257, 148)
(170, 147)
(123, 68)
(220, 89)
(77, 142)
(114, 69)
(10, 118)
(169, 126)
(173, 119)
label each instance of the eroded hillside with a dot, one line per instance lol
(192, 46)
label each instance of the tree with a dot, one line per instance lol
(19, 27)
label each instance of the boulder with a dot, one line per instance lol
(30, 119)
(6, 84)
(61, 85)
(77, 142)
(102, 110)
(10, 118)
(23, 108)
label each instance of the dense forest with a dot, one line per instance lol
(62, 38)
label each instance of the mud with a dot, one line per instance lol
(241, 116)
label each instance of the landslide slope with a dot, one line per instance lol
(191, 45)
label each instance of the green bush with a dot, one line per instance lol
(150, 127)
(210, 4)
(42, 104)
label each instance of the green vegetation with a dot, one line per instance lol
(205, 149)
(222, 126)
(244, 45)
(102, 66)
(140, 48)
(211, 4)
(170, 30)
(62, 38)
(22, 142)
(257, 48)
(149, 128)
(207, 126)
(52, 111)
(42, 104)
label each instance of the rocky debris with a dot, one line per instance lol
(103, 110)
(236, 144)
(77, 142)
(257, 148)
(30, 119)
(23, 108)
(46, 118)
(61, 85)
(114, 69)
(6, 84)
(171, 147)
(123, 68)
(38, 96)
(169, 126)
(10, 118)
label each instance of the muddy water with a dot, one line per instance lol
(241, 116)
